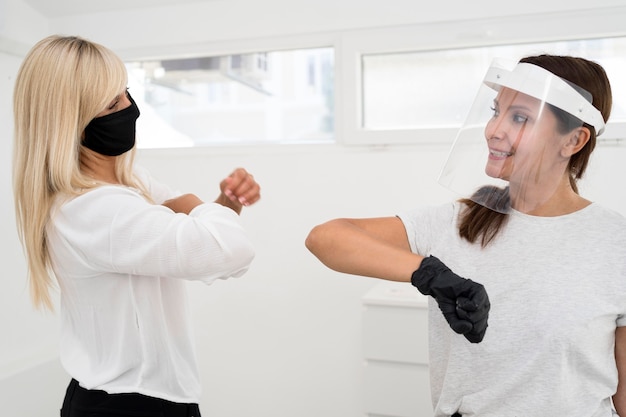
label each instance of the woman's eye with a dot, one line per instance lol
(114, 104)
(520, 118)
(495, 111)
(116, 101)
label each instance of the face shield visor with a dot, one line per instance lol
(512, 151)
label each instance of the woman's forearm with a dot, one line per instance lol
(345, 247)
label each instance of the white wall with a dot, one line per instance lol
(20, 26)
(284, 339)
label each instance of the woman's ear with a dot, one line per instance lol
(576, 140)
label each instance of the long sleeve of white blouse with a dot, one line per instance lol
(113, 229)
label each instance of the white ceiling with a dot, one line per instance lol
(59, 8)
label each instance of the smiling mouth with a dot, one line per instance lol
(499, 154)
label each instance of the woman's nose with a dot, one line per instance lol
(495, 130)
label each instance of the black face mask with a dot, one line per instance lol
(114, 133)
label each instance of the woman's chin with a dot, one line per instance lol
(494, 172)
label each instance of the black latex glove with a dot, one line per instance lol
(463, 302)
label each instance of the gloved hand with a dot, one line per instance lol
(463, 302)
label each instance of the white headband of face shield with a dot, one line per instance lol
(541, 84)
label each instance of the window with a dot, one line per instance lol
(414, 84)
(262, 97)
(434, 89)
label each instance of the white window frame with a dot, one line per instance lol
(590, 24)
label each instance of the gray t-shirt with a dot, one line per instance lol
(557, 287)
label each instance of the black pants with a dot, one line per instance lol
(80, 402)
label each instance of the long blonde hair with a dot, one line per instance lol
(62, 84)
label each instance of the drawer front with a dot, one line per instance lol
(398, 390)
(397, 334)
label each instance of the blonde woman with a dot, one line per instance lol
(119, 244)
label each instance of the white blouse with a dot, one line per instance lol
(121, 263)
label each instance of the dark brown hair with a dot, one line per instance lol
(479, 223)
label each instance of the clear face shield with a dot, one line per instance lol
(514, 148)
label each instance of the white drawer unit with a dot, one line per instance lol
(395, 347)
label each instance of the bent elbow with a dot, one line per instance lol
(238, 258)
(247, 254)
(312, 240)
(319, 239)
(219, 256)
